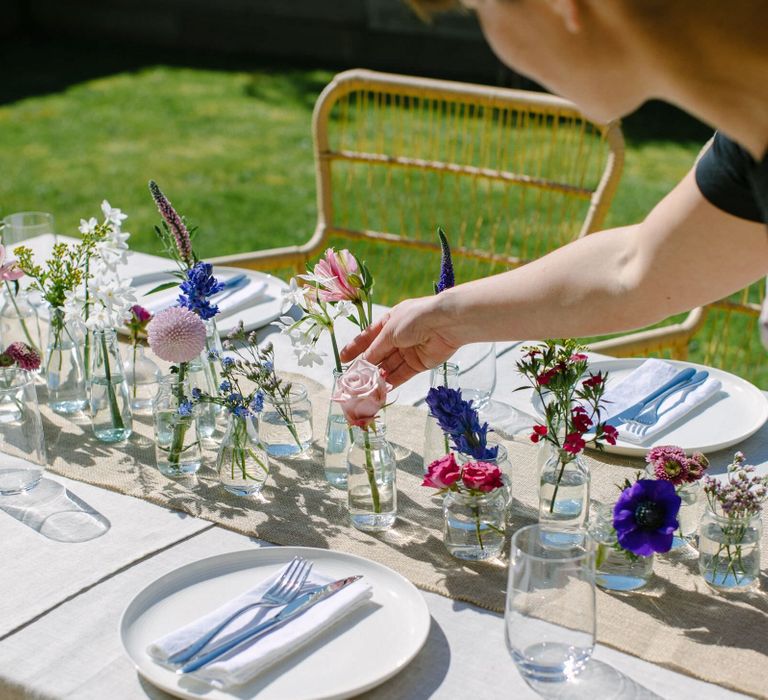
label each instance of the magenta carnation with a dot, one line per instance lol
(23, 355)
(176, 335)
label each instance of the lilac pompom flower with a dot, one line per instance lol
(176, 335)
(645, 517)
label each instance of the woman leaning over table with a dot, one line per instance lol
(703, 241)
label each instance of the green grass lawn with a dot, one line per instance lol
(231, 148)
(228, 142)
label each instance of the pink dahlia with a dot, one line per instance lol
(23, 355)
(176, 335)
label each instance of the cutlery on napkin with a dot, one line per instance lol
(643, 382)
(248, 659)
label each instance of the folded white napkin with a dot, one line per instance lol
(229, 301)
(642, 382)
(245, 661)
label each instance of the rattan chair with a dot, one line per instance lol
(509, 175)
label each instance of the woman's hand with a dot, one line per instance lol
(405, 341)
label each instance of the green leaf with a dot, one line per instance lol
(162, 287)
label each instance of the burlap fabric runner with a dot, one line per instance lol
(676, 621)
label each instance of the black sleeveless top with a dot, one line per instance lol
(731, 179)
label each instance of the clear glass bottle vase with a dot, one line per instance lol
(616, 569)
(199, 376)
(108, 396)
(177, 441)
(242, 462)
(64, 370)
(501, 460)
(371, 480)
(338, 437)
(729, 550)
(285, 424)
(436, 442)
(473, 525)
(564, 494)
(143, 375)
(19, 320)
(212, 356)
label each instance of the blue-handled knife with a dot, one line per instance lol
(293, 609)
(630, 413)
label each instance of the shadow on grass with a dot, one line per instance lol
(34, 65)
(38, 65)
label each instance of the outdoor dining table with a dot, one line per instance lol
(61, 601)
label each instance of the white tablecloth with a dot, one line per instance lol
(60, 602)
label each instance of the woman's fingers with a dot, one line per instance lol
(363, 340)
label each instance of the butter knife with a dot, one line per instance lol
(293, 609)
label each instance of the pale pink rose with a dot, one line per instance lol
(481, 476)
(9, 271)
(333, 272)
(442, 473)
(362, 392)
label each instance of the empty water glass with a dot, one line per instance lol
(18, 227)
(550, 611)
(477, 371)
(21, 432)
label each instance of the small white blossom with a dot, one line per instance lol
(88, 226)
(344, 309)
(113, 250)
(112, 214)
(294, 295)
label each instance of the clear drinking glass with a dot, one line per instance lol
(285, 425)
(16, 228)
(21, 432)
(550, 610)
(476, 364)
(108, 391)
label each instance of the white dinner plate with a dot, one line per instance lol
(257, 304)
(363, 649)
(737, 411)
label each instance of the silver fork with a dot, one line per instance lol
(281, 592)
(643, 421)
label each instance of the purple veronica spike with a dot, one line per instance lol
(446, 265)
(175, 224)
(459, 420)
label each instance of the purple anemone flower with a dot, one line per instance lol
(645, 517)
